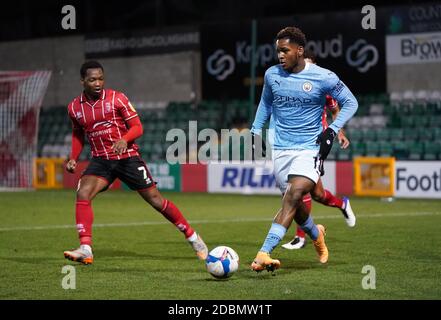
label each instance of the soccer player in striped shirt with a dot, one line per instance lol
(111, 125)
(294, 93)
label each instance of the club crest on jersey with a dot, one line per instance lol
(108, 107)
(79, 115)
(307, 86)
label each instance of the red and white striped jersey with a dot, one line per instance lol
(104, 122)
(330, 104)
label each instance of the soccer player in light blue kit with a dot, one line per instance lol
(294, 92)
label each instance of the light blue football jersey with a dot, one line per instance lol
(295, 101)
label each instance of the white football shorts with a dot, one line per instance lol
(295, 162)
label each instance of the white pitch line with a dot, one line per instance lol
(238, 220)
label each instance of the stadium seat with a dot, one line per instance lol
(433, 108)
(355, 135)
(421, 121)
(372, 148)
(422, 96)
(396, 134)
(401, 150)
(382, 98)
(416, 150)
(358, 149)
(383, 134)
(407, 121)
(344, 154)
(386, 149)
(378, 121)
(395, 97)
(394, 121)
(376, 109)
(435, 121)
(435, 96)
(388, 110)
(369, 135)
(408, 97)
(432, 150)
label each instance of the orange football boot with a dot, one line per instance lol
(320, 245)
(263, 261)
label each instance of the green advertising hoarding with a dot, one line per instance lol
(168, 176)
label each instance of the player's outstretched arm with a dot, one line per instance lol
(346, 100)
(341, 136)
(264, 109)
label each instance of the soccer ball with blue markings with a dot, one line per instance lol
(222, 262)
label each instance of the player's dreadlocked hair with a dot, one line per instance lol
(293, 34)
(89, 65)
(309, 54)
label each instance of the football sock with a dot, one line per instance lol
(193, 237)
(300, 233)
(84, 219)
(310, 228)
(86, 247)
(332, 201)
(275, 234)
(172, 214)
(308, 205)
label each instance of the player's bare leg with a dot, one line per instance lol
(88, 188)
(174, 215)
(292, 200)
(299, 240)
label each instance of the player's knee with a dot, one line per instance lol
(85, 193)
(155, 200)
(295, 196)
(318, 195)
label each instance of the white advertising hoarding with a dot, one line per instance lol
(413, 48)
(257, 178)
(418, 179)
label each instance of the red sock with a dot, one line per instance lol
(84, 219)
(308, 204)
(172, 213)
(332, 201)
(300, 233)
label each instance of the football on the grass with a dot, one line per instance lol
(222, 262)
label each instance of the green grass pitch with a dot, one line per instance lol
(139, 255)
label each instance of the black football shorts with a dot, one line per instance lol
(132, 171)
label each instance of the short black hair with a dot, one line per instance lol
(293, 34)
(89, 65)
(309, 54)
